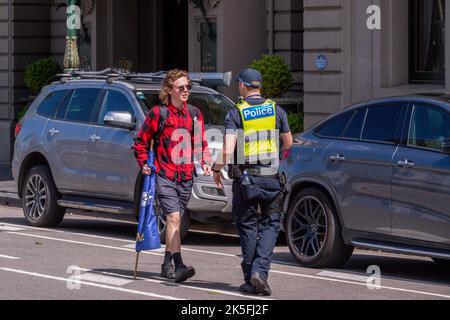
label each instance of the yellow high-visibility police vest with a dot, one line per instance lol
(259, 124)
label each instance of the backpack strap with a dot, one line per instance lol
(194, 112)
(163, 114)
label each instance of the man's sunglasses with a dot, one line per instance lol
(182, 88)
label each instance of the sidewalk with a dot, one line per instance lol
(8, 189)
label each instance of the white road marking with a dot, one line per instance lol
(210, 252)
(9, 228)
(133, 246)
(214, 291)
(344, 276)
(90, 284)
(360, 284)
(130, 250)
(9, 257)
(82, 243)
(215, 233)
(228, 255)
(100, 278)
(71, 233)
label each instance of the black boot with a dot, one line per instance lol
(183, 273)
(261, 285)
(167, 271)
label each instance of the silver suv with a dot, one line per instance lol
(73, 149)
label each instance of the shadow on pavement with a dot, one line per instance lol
(215, 240)
(5, 173)
(399, 267)
(155, 276)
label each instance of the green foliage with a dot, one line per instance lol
(40, 73)
(21, 113)
(277, 78)
(295, 122)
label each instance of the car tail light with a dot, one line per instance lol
(17, 130)
(285, 153)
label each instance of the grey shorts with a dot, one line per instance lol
(172, 196)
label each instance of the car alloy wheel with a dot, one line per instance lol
(308, 228)
(35, 197)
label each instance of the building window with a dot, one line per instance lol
(427, 41)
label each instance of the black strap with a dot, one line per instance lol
(163, 114)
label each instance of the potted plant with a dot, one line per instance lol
(277, 80)
(37, 75)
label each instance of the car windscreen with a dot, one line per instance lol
(214, 107)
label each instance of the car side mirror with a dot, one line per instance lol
(446, 146)
(119, 120)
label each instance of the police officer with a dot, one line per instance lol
(254, 131)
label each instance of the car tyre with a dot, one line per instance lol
(39, 199)
(313, 231)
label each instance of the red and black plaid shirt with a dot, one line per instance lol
(173, 157)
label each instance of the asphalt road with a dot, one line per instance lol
(93, 258)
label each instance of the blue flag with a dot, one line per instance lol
(148, 233)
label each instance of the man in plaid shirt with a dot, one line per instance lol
(183, 131)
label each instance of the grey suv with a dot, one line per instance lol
(376, 175)
(73, 149)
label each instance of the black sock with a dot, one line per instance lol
(167, 258)
(177, 259)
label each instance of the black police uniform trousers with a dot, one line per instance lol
(258, 231)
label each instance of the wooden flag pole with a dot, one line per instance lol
(136, 266)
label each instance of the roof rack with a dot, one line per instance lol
(208, 79)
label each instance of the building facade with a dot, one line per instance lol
(407, 55)
(145, 36)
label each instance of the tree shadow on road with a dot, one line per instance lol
(142, 276)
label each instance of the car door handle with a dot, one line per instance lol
(53, 132)
(94, 138)
(337, 157)
(406, 163)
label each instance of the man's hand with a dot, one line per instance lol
(146, 170)
(218, 176)
(207, 170)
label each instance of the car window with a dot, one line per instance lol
(382, 122)
(50, 104)
(334, 127)
(354, 128)
(429, 127)
(81, 106)
(214, 107)
(115, 101)
(148, 99)
(62, 109)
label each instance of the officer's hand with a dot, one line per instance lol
(207, 170)
(218, 176)
(146, 170)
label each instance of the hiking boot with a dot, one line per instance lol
(261, 285)
(167, 271)
(247, 288)
(183, 273)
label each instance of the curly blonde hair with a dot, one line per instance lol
(167, 85)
